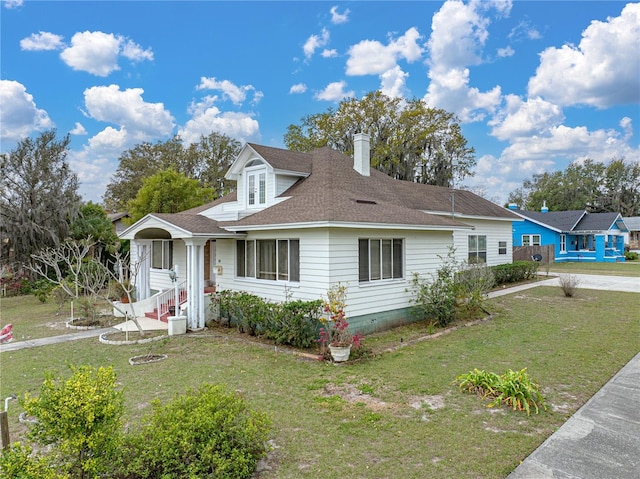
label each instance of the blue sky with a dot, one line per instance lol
(536, 85)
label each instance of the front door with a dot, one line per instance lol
(210, 263)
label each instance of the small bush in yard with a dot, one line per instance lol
(513, 388)
(568, 284)
(19, 462)
(207, 432)
(79, 417)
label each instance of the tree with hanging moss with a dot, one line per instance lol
(38, 196)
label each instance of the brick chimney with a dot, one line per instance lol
(361, 153)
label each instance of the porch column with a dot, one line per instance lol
(600, 247)
(195, 282)
(143, 289)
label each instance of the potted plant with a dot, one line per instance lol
(335, 334)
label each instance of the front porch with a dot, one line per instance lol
(589, 247)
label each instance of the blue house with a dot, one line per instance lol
(576, 235)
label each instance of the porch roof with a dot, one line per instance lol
(179, 225)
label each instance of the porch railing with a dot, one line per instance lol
(168, 298)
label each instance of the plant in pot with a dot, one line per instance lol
(335, 336)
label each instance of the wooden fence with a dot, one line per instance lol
(526, 253)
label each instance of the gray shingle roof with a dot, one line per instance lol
(632, 222)
(560, 220)
(572, 221)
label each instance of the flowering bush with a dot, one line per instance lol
(335, 330)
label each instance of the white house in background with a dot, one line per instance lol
(632, 237)
(301, 222)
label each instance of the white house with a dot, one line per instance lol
(301, 222)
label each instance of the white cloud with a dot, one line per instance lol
(9, 4)
(314, 42)
(236, 94)
(551, 150)
(135, 52)
(571, 143)
(459, 32)
(78, 129)
(126, 108)
(20, 115)
(393, 82)
(42, 41)
(524, 30)
(93, 52)
(334, 92)
(506, 52)
(337, 18)
(371, 57)
(326, 53)
(525, 118)
(98, 52)
(298, 88)
(206, 117)
(601, 71)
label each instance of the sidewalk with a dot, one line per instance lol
(600, 441)
(146, 324)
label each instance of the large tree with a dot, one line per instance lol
(591, 185)
(38, 196)
(409, 140)
(167, 192)
(206, 161)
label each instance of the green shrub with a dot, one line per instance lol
(80, 417)
(456, 286)
(514, 272)
(19, 462)
(293, 322)
(513, 388)
(630, 255)
(207, 432)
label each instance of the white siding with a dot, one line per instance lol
(283, 183)
(159, 278)
(495, 231)
(321, 266)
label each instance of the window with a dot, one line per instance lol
(256, 188)
(162, 254)
(477, 249)
(502, 247)
(530, 240)
(268, 259)
(563, 243)
(380, 259)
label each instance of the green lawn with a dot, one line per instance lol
(627, 268)
(395, 415)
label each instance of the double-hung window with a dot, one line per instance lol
(272, 259)
(162, 254)
(477, 249)
(380, 259)
(563, 243)
(530, 240)
(502, 247)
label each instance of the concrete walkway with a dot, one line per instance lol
(145, 323)
(600, 441)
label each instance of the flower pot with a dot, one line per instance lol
(340, 353)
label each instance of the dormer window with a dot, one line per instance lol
(256, 178)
